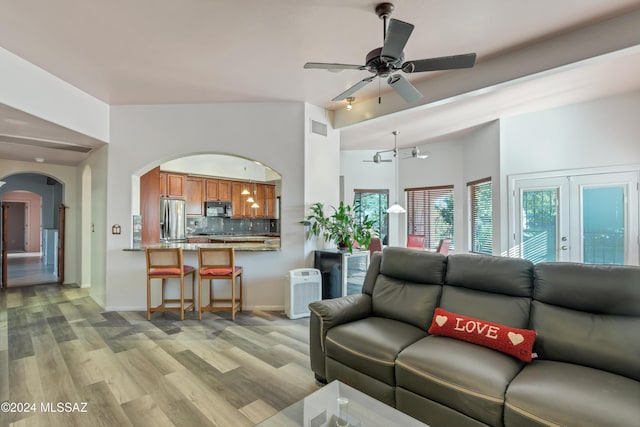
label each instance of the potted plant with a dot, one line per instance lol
(342, 227)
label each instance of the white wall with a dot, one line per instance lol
(365, 175)
(445, 166)
(481, 151)
(321, 171)
(598, 133)
(97, 163)
(145, 136)
(220, 166)
(29, 88)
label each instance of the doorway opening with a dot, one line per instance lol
(30, 223)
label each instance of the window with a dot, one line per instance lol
(374, 204)
(430, 214)
(480, 194)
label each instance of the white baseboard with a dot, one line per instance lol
(144, 308)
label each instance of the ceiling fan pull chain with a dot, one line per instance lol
(379, 97)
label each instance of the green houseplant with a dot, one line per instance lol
(342, 227)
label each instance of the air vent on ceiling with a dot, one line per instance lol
(318, 128)
(45, 143)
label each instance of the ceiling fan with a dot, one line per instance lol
(389, 58)
(415, 152)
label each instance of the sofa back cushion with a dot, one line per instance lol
(588, 315)
(496, 289)
(408, 286)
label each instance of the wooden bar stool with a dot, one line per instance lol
(216, 264)
(167, 263)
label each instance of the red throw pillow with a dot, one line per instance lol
(513, 341)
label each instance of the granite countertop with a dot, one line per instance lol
(239, 243)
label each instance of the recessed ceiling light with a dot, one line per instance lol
(39, 159)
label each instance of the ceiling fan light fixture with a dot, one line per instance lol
(386, 60)
(350, 99)
(415, 152)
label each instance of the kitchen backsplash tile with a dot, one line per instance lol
(219, 225)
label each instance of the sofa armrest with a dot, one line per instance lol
(327, 314)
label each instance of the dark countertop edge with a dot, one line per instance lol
(193, 247)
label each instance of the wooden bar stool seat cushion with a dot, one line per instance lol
(219, 271)
(168, 271)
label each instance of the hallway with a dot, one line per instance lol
(27, 269)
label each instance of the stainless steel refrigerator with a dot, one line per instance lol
(173, 220)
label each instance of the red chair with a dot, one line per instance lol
(375, 245)
(167, 263)
(443, 246)
(219, 264)
(415, 241)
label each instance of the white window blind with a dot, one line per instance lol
(430, 214)
(480, 194)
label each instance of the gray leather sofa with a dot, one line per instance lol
(587, 320)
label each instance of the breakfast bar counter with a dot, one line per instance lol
(271, 244)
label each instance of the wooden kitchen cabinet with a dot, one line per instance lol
(195, 196)
(258, 196)
(224, 190)
(217, 189)
(269, 201)
(238, 201)
(172, 184)
(150, 206)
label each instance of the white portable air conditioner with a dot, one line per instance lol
(304, 286)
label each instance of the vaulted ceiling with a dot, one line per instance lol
(530, 55)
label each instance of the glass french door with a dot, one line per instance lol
(542, 222)
(581, 218)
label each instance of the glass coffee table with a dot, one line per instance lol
(338, 405)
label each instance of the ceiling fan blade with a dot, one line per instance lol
(398, 34)
(442, 63)
(403, 88)
(333, 67)
(353, 89)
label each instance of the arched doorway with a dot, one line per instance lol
(30, 223)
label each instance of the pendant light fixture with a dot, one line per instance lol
(245, 191)
(396, 208)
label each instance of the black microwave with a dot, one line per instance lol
(219, 209)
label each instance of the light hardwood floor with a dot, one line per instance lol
(26, 269)
(56, 345)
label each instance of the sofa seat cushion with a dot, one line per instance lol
(558, 393)
(371, 345)
(466, 377)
